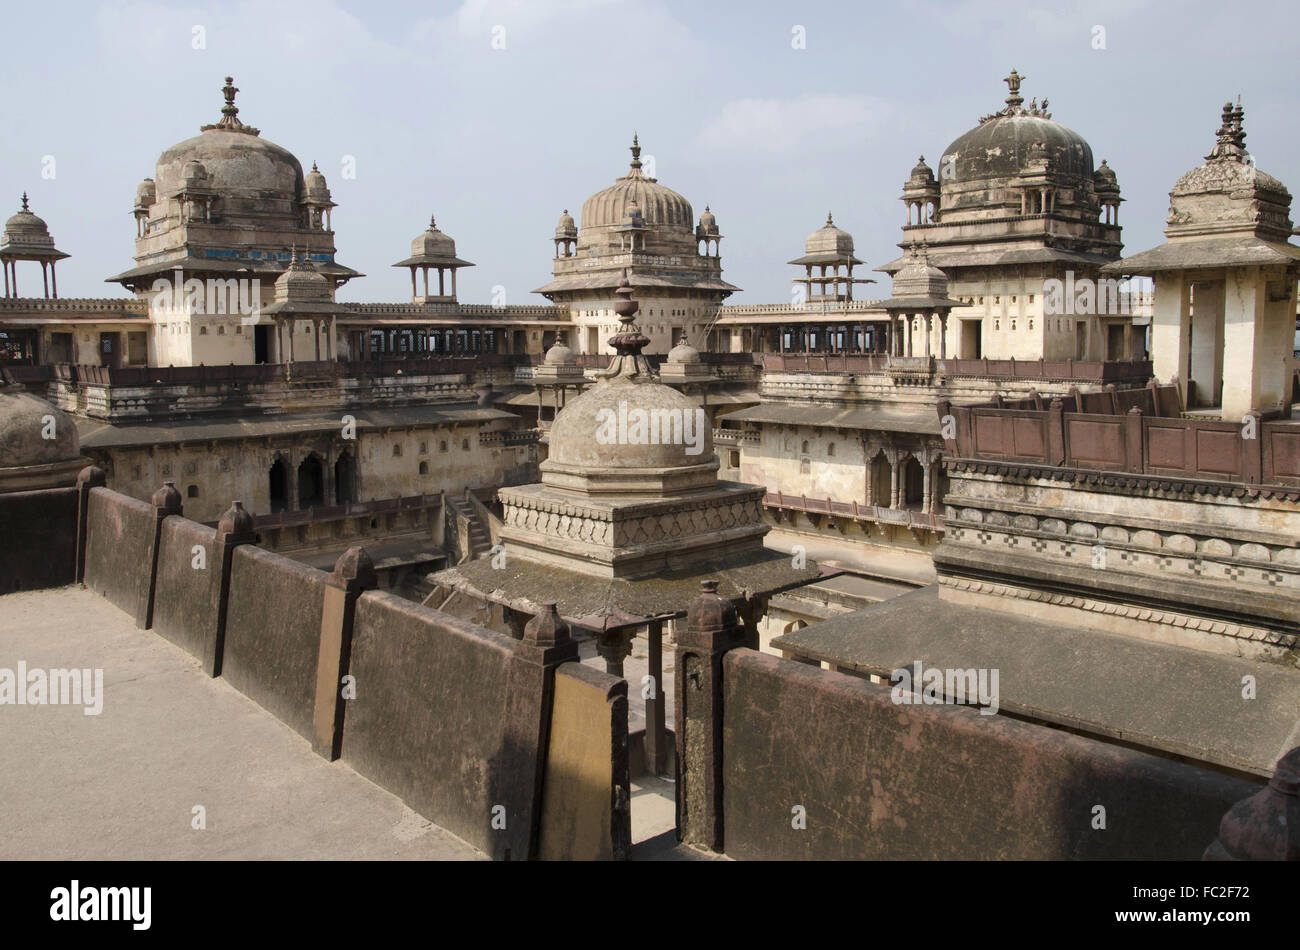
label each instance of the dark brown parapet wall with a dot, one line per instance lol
(186, 596)
(39, 531)
(273, 630)
(879, 780)
(120, 550)
(428, 720)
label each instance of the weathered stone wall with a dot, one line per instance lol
(119, 550)
(273, 634)
(428, 720)
(40, 539)
(186, 595)
(877, 780)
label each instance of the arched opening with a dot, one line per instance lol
(913, 484)
(279, 479)
(311, 483)
(424, 468)
(343, 474)
(879, 474)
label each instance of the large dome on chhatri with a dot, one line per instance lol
(657, 204)
(1005, 143)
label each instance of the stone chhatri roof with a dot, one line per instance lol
(27, 236)
(828, 245)
(434, 248)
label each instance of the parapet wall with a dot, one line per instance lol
(868, 779)
(455, 719)
(428, 719)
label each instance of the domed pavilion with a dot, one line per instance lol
(629, 515)
(639, 226)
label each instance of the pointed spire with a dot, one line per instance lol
(314, 168)
(636, 152)
(629, 341)
(433, 225)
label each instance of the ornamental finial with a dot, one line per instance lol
(25, 208)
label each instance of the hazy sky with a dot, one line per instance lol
(497, 142)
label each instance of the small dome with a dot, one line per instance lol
(918, 277)
(433, 243)
(683, 353)
(24, 421)
(559, 354)
(316, 187)
(146, 193)
(26, 231)
(302, 281)
(566, 227)
(922, 170)
(829, 238)
(193, 171)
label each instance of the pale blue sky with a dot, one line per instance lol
(496, 142)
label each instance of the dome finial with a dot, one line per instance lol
(636, 152)
(313, 167)
(1013, 83)
(433, 225)
(830, 223)
(25, 208)
(229, 120)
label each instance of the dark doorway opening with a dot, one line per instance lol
(311, 483)
(261, 344)
(279, 486)
(343, 471)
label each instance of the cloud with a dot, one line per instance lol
(778, 125)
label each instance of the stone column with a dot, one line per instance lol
(234, 528)
(711, 630)
(655, 752)
(166, 501)
(530, 696)
(353, 574)
(894, 459)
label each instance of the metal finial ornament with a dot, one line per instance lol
(25, 208)
(636, 152)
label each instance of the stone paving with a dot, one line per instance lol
(124, 784)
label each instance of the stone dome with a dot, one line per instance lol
(559, 354)
(829, 238)
(659, 206)
(922, 170)
(566, 227)
(315, 183)
(146, 193)
(574, 438)
(433, 243)
(683, 353)
(301, 281)
(1004, 145)
(193, 172)
(708, 222)
(24, 420)
(25, 227)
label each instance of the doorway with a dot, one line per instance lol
(261, 344)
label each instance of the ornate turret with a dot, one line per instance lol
(433, 250)
(27, 238)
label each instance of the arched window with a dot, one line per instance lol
(804, 448)
(830, 450)
(424, 468)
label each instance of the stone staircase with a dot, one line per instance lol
(478, 535)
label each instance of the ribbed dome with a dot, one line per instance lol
(566, 227)
(659, 206)
(26, 229)
(829, 238)
(302, 282)
(1104, 181)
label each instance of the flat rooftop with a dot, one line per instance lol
(1163, 698)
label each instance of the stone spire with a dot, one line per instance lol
(229, 121)
(629, 341)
